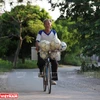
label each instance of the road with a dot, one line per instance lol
(70, 86)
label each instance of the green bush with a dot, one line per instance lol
(29, 64)
(5, 65)
(88, 64)
(72, 59)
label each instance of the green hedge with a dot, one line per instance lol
(29, 64)
(5, 65)
(71, 59)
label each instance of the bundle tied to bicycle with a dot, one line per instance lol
(54, 47)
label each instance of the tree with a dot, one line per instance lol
(86, 14)
(64, 28)
(68, 34)
(24, 23)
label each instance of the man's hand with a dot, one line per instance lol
(37, 47)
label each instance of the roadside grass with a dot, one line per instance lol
(93, 74)
(29, 64)
(72, 59)
(5, 66)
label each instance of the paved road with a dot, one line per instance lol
(71, 86)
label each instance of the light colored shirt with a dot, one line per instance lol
(43, 36)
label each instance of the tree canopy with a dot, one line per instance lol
(22, 25)
(86, 14)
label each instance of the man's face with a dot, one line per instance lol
(47, 24)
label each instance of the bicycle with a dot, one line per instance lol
(47, 75)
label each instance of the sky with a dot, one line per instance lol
(43, 4)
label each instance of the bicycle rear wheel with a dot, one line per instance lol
(49, 78)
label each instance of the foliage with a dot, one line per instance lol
(72, 59)
(88, 64)
(7, 47)
(21, 26)
(86, 14)
(5, 65)
(29, 64)
(66, 33)
(3, 47)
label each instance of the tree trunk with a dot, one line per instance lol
(17, 53)
(19, 46)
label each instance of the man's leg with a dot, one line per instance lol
(40, 63)
(54, 65)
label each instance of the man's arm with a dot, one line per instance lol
(37, 45)
(38, 38)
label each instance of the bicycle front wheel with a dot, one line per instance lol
(44, 79)
(49, 78)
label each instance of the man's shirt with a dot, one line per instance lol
(43, 36)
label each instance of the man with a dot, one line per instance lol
(47, 34)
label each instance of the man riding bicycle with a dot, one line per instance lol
(47, 34)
